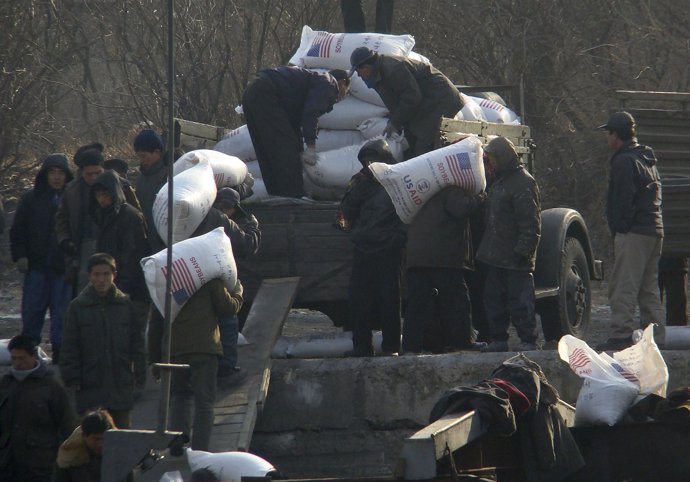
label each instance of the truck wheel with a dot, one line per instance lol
(569, 312)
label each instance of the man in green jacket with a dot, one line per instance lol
(415, 93)
(101, 346)
(195, 341)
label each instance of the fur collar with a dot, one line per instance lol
(73, 451)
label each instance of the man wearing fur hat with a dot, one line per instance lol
(74, 225)
(36, 253)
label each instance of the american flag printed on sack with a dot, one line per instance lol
(461, 169)
(321, 45)
(219, 177)
(490, 104)
(627, 374)
(182, 281)
(578, 358)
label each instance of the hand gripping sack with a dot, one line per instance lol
(412, 183)
(326, 50)
(608, 390)
(228, 171)
(194, 191)
(349, 113)
(645, 361)
(229, 466)
(195, 261)
(237, 143)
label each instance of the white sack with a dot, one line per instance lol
(373, 127)
(174, 476)
(325, 345)
(495, 112)
(332, 50)
(321, 193)
(412, 183)
(419, 57)
(645, 361)
(195, 261)
(237, 143)
(335, 168)
(329, 139)
(349, 113)
(228, 171)
(471, 111)
(608, 389)
(360, 90)
(259, 192)
(229, 466)
(194, 192)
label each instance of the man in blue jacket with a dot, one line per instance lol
(36, 253)
(282, 106)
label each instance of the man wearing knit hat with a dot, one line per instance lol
(153, 172)
(74, 226)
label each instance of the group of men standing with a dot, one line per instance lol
(79, 243)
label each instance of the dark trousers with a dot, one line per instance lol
(44, 290)
(278, 144)
(229, 330)
(476, 281)
(437, 294)
(509, 297)
(353, 16)
(673, 287)
(375, 299)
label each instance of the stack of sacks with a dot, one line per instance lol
(359, 117)
(197, 176)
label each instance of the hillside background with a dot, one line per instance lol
(74, 71)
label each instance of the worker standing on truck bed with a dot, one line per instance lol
(415, 93)
(633, 211)
(282, 106)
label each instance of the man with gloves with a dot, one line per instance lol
(282, 106)
(415, 93)
(35, 250)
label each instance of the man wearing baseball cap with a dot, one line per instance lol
(415, 93)
(633, 212)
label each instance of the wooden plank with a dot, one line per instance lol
(262, 328)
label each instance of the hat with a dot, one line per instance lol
(359, 56)
(148, 140)
(118, 165)
(227, 197)
(88, 157)
(376, 150)
(619, 120)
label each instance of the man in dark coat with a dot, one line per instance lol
(74, 225)
(101, 344)
(633, 212)
(35, 250)
(439, 248)
(378, 236)
(415, 93)
(673, 287)
(509, 248)
(35, 415)
(282, 106)
(153, 174)
(122, 234)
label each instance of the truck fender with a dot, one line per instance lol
(558, 224)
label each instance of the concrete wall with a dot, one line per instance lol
(349, 417)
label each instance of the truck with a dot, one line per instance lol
(299, 238)
(663, 122)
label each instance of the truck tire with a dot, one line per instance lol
(569, 312)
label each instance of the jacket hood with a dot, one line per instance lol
(109, 180)
(58, 160)
(73, 451)
(504, 154)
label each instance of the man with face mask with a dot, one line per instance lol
(415, 93)
(509, 248)
(37, 255)
(378, 235)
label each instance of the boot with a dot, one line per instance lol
(55, 348)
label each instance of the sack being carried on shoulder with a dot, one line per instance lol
(228, 171)
(412, 183)
(195, 262)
